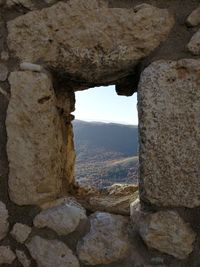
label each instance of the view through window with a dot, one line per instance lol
(106, 138)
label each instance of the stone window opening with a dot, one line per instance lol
(106, 165)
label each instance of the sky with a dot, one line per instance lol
(103, 104)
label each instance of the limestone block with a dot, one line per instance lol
(3, 72)
(63, 219)
(89, 41)
(20, 232)
(114, 203)
(169, 127)
(168, 233)
(3, 220)
(194, 44)
(35, 141)
(7, 256)
(22, 258)
(107, 240)
(50, 253)
(194, 18)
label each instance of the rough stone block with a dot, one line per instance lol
(7, 256)
(35, 140)
(63, 219)
(51, 253)
(20, 232)
(167, 232)
(107, 240)
(89, 42)
(169, 127)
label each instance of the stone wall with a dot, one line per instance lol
(48, 50)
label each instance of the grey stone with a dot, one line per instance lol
(194, 44)
(25, 3)
(22, 258)
(20, 232)
(51, 253)
(63, 219)
(167, 232)
(194, 18)
(4, 225)
(169, 100)
(107, 240)
(7, 256)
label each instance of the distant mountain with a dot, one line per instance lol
(106, 153)
(104, 141)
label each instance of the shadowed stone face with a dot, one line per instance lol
(169, 100)
(88, 41)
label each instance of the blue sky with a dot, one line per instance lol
(103, 104)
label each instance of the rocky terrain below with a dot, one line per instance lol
(106, 153)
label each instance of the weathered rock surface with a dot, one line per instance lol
(20, 232)
(4, 55)
(194, 18)
(3, 72)
(63, 219)
(167, 232)
(169, 99)
(122, 189)
(7, 256)
(194, 44)
(114, 199)
(51, 253)
(35, 141)
(25, 3)
(118, 203)
(23, 259)
(3, 220)
(89, 41)
(107, 240)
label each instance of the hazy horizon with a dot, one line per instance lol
(102, 104)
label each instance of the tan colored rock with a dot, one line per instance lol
(7, 256)
(50, 253)
(107, 240)
(169, 100)
(63, 219)
(122, 189)
(168, 233)
(194, 18)
(88, 41)
(118, 204)
(23, 259)
(4, 225)
(194, 44)
(3, 72)
(35, 141)
(20, 232)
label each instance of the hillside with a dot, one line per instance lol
(106, 153)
